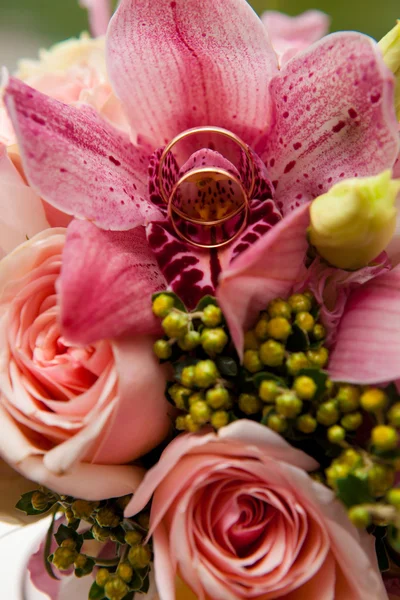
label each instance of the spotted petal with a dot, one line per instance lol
(186, 63)
(368, 342)
(81, 165)
(106, 283)
(268, 269)
(334, 118)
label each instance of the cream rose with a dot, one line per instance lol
(71, 416)
(238, 517)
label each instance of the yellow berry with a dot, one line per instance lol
(206, 373)
(305, 321)
(251, 361)
(299, 303)
(328, 413)
(64, 558)
(188, 376)
(217, 398)
(139, 556)
(249, 404)
(102, 576)
(352, 421)
(212, 316)
(279, 308)
(250, 341)
(351, 458)
(191, 425)
(336, 434)
(296, 362)
(288, 405)
(261, 330)
(380, 479)
(125, 571)
(179, 395)
(190, 341)
(162, 349)
(162, 305)
(306, 423)
(279, 328)
(272, 353)
(268, 390)
(359, 516)
(305, 387)
(318, 332)
(348, 398)
(180, 423)
(393, 497)
(133, 537)
(334, 472)
(384, 438)
(373, 400)
(277, 423)
(214, 341)
(115, 588)
(200, 412)
(394, 415)
(219, 419)
(175, 325)
(319, 357)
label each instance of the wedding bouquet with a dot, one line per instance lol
(200, 305)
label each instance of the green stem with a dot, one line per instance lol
(47, 546)
(104, 562)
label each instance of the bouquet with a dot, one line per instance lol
(200, 305)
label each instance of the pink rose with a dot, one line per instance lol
(71, 416)
(237, 516)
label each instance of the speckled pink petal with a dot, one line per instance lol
(290, 35)
(106, 283)
(334, 118)
(367, 349)
(82, 165)
(268, 269)
(99, 15)
(186, 63)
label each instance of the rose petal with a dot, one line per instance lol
(266, 270)
(367, 349)
(107, 279)
(334, 118)
(82, 165)
(177, 65)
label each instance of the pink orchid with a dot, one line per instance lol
(99, 15)
(290, 35)
(326, 115)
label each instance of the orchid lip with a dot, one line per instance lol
(211, 216)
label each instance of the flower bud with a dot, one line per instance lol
(162, 349)
(348, 398)
(305, 321)
(212, 316)
(336, 434)
(384, 438)
(80, 561)
(39, 501)
(219, 419)
(279, 328)
(64, 558)
(206, 373)
(115, 588)
(359, 516)
(83, 509)
(125, 571)
(268, 390)
(272, 353)
(279, 308)
(191, 425)
(214, 340)
(288, 405)
(200, 412)
(162, 305)
(251, 361)
(190, 341)
(380, 479)
(187, 376)
(305, 387)
(374, 400)
(355, 221)
(139, 556)
(328, 413)
(217, 398)
(390, 47)
(100, 534)
(318, 332)
(393, 497)
(179, 395)
(318, 358)
(352, 421)
(299, 303)
(106, 517)
(102, 576)
(296, 362)
(175, 324)
(306, 424)
(261, 330)
(277, 423)
(249, 404)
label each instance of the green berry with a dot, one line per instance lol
(394, 415)
(100, 534)
(175, 325)
(279, 308)
(139, 556)
(206, 373)
(334, 472)
(306, 424)
(106, 517)
(305, 387)
(279, 328)
(272, 353)
(68, 543)
(393, 497)
(213, 341)
(200, 412)
(299, 303)
(190, 341)
(380, 479)
(351, 458)
(80, 561)
(328, 413)
(115, 588)
(348, 398)
(187, 376)
(64, 558)
(162, 305)
(249, 404)
(212, 316)
(384, 438)
(250, 341)
(162, 349)
(196, 397)
(373, 400)
(102, 576)
(268, 390)
(219, 419)
(305, 321)
(318, 358)
(125, 572)
(359, 516)
(179, 395)
(180, 423)
(191, 425)
(336, 434)
(217, 398)
(39, 501)
(82, 509)
(251, 361)
(318, 332)
(296, 362)
(133, 537)
(288, 405)
(261, 330)
(352, 421)
(277, 423)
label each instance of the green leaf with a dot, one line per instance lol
(87, 569)
(66, 533)
(227, 366)
(206, 301)
(351, 491)
(88, 535)
(129, 596)
(177, 301)
(381, 553)
(318, 376)
(24, 504)
(298, 341)
(96, 592)
(118, 535)
(262, 375)
(137, 582)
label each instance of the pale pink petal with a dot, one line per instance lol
(81, 165)
(164, 571)
(334, 118)
(99, 15)
(177, 65)
(128, 433)
(21, 210)
(367, 349)
(290, 35)
(268, 269)
(106, 283)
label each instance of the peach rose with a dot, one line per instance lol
(71, 416)
(237, 516)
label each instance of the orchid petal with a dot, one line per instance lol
(99, 15)
(82, 165)
(182, 64)
(334, 118)
(106, 283)
(368, 342)
(290, 35)
(268, 269)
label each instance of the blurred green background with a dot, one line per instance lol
(26, 25)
